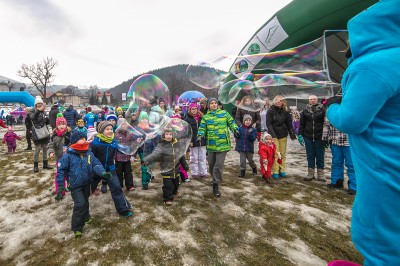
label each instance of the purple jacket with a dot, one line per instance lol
(124, 138)
(11, 137)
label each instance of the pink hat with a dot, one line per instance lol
(61, 121)
(193, 105)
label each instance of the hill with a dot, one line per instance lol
(173, 76)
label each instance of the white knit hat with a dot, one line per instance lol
(38, 99)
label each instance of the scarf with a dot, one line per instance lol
(80, 148)
(105, 138)
(60, 132)
(196, 116)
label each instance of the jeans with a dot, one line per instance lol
(315, 153)
(341, 156)
(39, 147)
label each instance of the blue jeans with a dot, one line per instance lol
(121, 203)
(315, 153)
(341, 156)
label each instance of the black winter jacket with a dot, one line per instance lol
(195, 127)
(312, 122)
(279, 123)
(39, 120)
(53, 116)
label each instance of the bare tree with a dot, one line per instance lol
(40, 75)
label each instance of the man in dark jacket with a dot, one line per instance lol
(28, 126)
(53, 115)
(71, 115)
(310, 134)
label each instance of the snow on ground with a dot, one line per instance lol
(291, 223)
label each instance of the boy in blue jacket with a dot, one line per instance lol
(245, 145)
(78, 164)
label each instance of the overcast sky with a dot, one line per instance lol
(107, 42)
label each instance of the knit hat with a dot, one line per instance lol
(143, 115)
(264, 136)
(91, 132)
(77, 135)
(59, 115)
(102, 126)
(193, 105)
(112, 116)
(80, 122)
(61, 121)
(209, 100)
(121, 121)
(246, 117)
(38, 99)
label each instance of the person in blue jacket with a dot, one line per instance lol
(72, 116)
(369, 113)
(77, 165)
(245, 145)
(104, 147)
(90, 118)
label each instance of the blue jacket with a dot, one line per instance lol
(246, 141)
(369, 113)
(78, 168)
(90, 119)
(71, 115)
(105, 152)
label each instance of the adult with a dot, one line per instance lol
(214, 127)
(203, 106)
(245, 108)
(369, 114)
(53, 115)
(90, 119)
(279, 124)
(310, 134)
(39, 120)
(28, 126)
(198, 164)
(263, 116)
(72, 116)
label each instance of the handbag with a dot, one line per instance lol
(40, 133)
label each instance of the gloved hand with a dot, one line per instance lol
(59, 195)
(106, 175)
(334, 99)
(326, 143)
(236, 134)
(300, 139)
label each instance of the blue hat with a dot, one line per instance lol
(77, 135)
(112, 116)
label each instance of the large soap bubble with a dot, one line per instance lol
(129, 138)
(189, 97)
(167, 153)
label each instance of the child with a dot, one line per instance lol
(59, 143)
(198, 164)
(182, 172)
(295, 118)
(245, 145)
(81, 127)
(104, 147)
(91, 133)
(11, 139)
(78, 164)
(267, 152)
(113, 119)
(123, 161)
(165, 154)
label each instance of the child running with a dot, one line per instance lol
(267, 152)
(11, 139)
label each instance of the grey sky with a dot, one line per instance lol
(107, 42)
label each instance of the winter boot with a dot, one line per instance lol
(242, 173)
(46, 165)
(338, 185)
(254, 170)
(310, 175)
(216, 192)
(35, 167)
(29, 148)
(321, 175)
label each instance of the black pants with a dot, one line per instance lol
(170, 187)
(80, 214)
(29, 138)
(124, 171)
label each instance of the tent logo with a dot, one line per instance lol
(271, 33)
(241, 66)
(254, 49)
